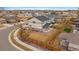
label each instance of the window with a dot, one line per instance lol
(77, 25)
(27, 24)
(34, 22)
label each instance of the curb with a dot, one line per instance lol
(17, 44)
(11, 33)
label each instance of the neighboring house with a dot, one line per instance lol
(51, 17)
(2, 20)
(23, 17)
(54, 17)
(1, 14)
(38, 22)
(77, 24)
(72, 40)
(10, 18)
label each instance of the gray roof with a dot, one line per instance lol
(53, 16)
(47, 25)
(42, 18)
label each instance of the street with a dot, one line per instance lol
(4, 43)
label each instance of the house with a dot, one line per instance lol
(10, 18)
(77, 24)
(38, 22)
(54, 17)
(72, 40)
(1, 14)
(2, 20)
(48, 27)
(23, 17)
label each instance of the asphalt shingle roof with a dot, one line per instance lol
(42, 18)
(51, 15)
(47, 25)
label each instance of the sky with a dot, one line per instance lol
(39, 4)
(39, 8)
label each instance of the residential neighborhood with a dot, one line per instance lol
(39, 30)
